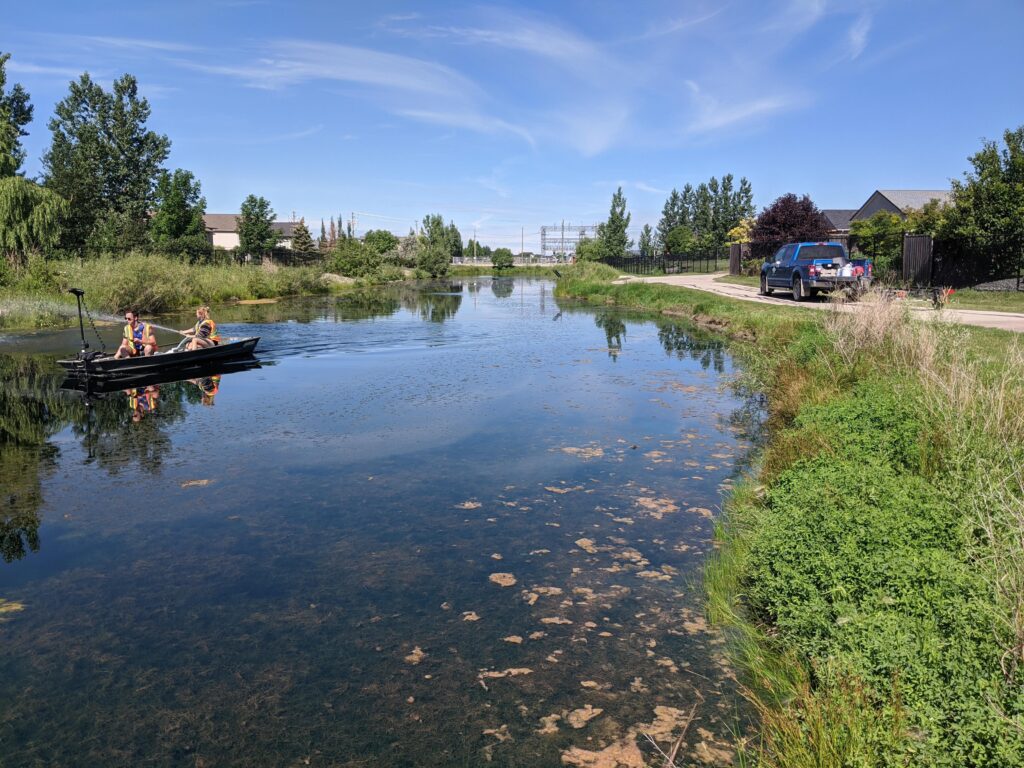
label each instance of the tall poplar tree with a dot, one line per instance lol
(15, 114)
(613, 232)
(646, 241)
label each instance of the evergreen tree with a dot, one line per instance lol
(454, 241)
(105, 162)
(302, 239)
(256, 235)
(15, 114)
(613, 232)
(670, 214)
(177, 226)
(687, 207)
(332, 237)
(647, 241)
(322, 243)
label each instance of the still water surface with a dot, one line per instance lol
(442, 525)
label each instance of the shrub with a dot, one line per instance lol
(502, 259)
(353, 259)
(433, 260)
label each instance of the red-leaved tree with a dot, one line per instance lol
(789, 219)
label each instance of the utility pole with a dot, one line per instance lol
(474, 243)
(522, 241)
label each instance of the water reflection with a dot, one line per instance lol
(614, 331)
(433, 302)
(122, 429)
(683, 341)
(503, 287)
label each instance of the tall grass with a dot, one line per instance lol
(36, 295)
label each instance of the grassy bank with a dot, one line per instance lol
(471, 270)
(870, 575)
(36, 296)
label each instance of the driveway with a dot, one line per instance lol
(1006, 321)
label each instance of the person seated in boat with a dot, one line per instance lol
(204, 334)
(138, 337)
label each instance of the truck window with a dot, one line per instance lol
(787, 253)
(830, 251)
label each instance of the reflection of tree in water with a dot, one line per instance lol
(362, 304)
(684, 342)
(614, 331)
(31, 411)
(503, 287)
(435, 302)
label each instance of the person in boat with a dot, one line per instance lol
(138, 338)
(204, 333)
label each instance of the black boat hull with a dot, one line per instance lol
(108, 366)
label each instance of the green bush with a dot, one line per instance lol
(353, 259)
(859, 564)
(433, 260)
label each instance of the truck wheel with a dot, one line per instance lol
(799, 294)
(765, 290)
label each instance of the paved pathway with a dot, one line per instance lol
(1007, 321)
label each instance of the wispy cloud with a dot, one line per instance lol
(128, 43)
(857, 35)
(27, 68)
(672, 26)
(639, 186)
(298, 61)
(472, 120)
(712, 114)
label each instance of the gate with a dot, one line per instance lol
(917, 260)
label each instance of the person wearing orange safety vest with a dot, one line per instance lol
(138, 337)
(204, 333)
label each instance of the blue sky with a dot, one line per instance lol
(504, 117)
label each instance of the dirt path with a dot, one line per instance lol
(1006, 321)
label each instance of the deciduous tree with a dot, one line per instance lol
(502, 259)
(984, 225)
(788, 219)
(30, 218)
(646, 241)
(256, 235)
(15, 114)
(105, 162)
(177, 225)
(380, 240)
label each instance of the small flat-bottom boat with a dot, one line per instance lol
(101, 385)
(93, 364)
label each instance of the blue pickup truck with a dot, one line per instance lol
(806, 269)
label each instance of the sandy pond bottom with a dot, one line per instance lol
(452, 536)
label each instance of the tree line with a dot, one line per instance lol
(104, 188)
(696, 219)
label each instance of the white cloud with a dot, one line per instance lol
(470, 119)
(712, 114)
(28, 68)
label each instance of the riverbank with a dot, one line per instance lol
(36, 296)
(472, 270)
(870, 574)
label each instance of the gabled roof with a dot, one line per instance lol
(228, 222)
(839, 218)
(914, 198)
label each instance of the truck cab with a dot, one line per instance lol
(807, 269)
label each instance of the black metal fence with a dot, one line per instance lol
(671, 264)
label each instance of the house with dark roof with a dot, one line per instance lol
(898, 201)
(838, 220)
(222, 230)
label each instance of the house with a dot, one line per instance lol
(222, 230)
(899, 200)
(838, 220)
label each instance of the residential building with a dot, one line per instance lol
(898, 201)
(222, 230)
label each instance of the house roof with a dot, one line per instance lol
(914, 198)
(228, 222)
(839, 218)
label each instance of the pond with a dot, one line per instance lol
(443, 524)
